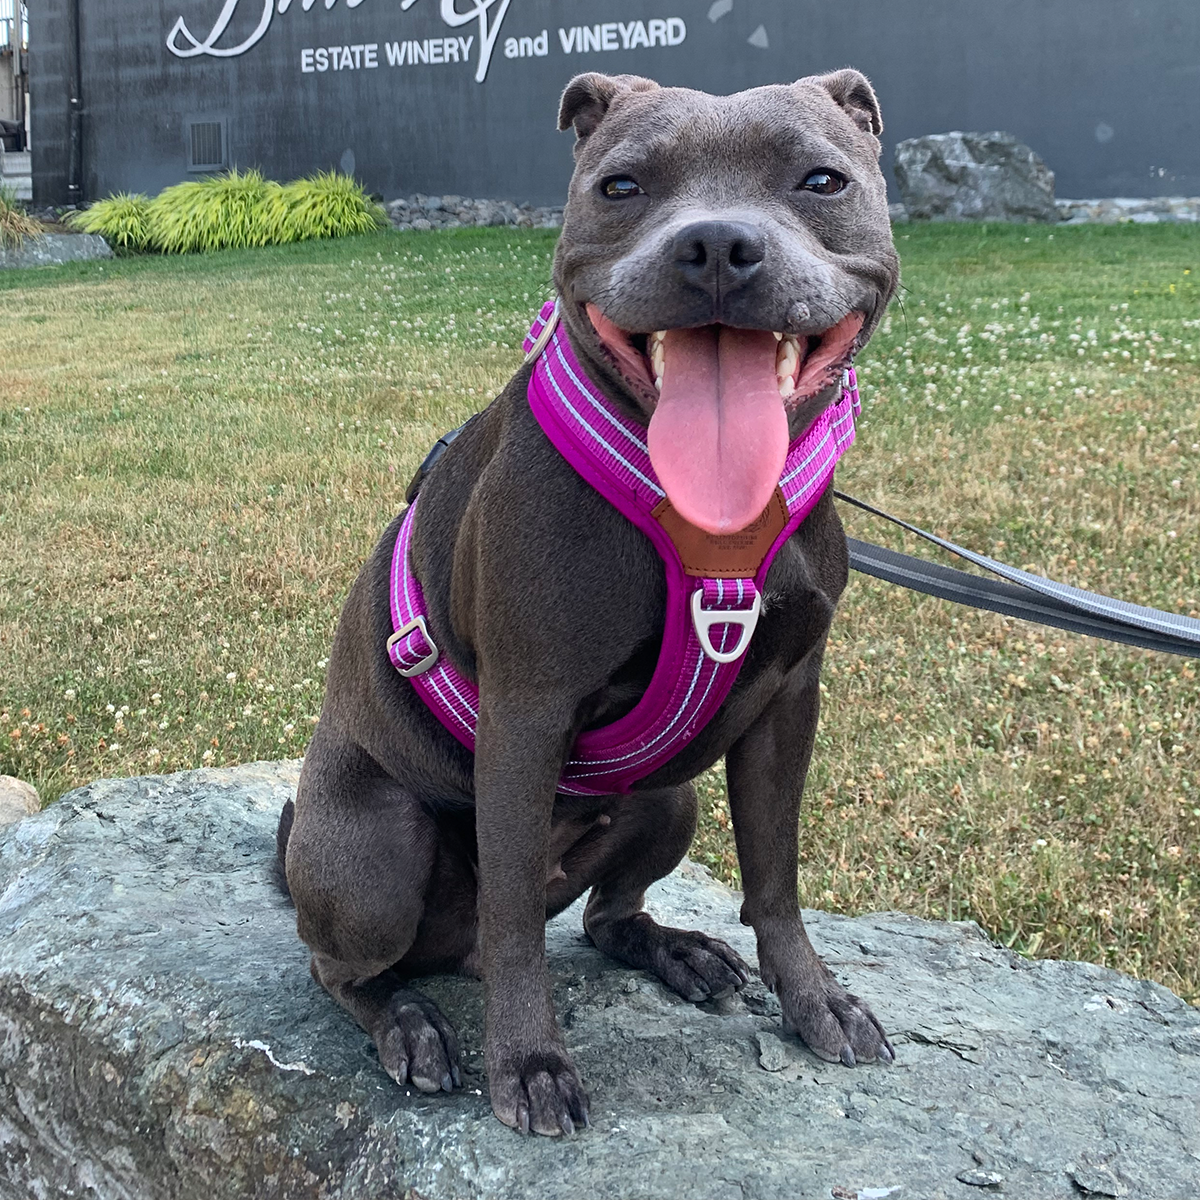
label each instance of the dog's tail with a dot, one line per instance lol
(286, 820)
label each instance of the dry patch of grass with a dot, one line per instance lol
(195, 457)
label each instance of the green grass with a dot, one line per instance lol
(197, 453)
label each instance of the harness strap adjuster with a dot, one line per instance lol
(703, 619)
(423, 664)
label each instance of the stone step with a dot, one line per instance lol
(16, 173)
(13, 162)
(20, 185)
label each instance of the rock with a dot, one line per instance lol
(1119, 210)
(973, 177)
(17, 799)
(161, 1039)
(1096, 1179)
(977, 1178)
(52, 249)
(772, 1053)
(453, 212)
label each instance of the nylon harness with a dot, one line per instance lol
(714, 583)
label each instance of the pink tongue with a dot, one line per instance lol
(719, 435)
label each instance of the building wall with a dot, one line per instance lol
(1105, 90)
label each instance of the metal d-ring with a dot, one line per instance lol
(704, 619)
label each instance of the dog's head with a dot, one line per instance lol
(722, 258)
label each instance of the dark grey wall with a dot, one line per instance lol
(1107, 91)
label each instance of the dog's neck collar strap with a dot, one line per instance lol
(714, 584)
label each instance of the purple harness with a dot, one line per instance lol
(709, 621)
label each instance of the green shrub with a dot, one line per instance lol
(122, 220)
(220, 212)
(233, 210)
(15, 223)
(327, 204)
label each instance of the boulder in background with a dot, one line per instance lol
(973, 177)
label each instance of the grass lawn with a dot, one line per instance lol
(197, 453)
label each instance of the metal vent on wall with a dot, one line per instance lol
(207, 145)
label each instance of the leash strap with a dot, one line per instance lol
(1023, 594)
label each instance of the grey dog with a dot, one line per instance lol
(404, 854)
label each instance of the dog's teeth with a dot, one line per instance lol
(658, 357)
(787, 360)
(778, 335)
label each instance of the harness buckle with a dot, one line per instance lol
(703, 619)
(423, 664)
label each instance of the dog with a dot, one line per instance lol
(721, 259)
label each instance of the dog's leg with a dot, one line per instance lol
(359, 857)
(766, 770)
(648, 836)
(518, 756)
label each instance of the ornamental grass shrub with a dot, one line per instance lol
(123, 221)
(327, 204)
(234, 210)
(218, 213)
(15, 223)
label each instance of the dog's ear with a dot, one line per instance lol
(852, 91)
(588, 97)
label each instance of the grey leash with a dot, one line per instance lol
(1030, 597)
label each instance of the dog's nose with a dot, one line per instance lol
(718, 256)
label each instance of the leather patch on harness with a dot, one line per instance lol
(724, 555)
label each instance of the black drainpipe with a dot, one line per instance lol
(74, 107)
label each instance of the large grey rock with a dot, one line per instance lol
(53, 249)
(18, 799)
(160, 1037)
(973, 177)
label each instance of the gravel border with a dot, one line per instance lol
(1116, 210)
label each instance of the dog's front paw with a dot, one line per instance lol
(541, 1092)
(417, 1044)
(697, 966)
(836, 1025)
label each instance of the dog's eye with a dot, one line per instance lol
(826, 183)
(621, 188)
